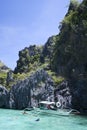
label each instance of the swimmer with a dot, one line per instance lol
(25, 112)
(37, 119)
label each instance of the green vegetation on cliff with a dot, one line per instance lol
(35, 57)
(28, 59)
(3, 73)
(63, 56)
(70, 54)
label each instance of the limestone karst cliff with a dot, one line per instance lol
(61, 64)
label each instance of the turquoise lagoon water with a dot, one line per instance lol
(15, 120)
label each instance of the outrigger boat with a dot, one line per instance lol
(50, 108)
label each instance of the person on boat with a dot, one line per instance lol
(52, 107)
(48, 106)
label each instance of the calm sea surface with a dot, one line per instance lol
(16, 120)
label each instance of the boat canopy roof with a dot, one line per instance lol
(46, 102)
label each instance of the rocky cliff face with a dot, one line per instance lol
(63, 95)
(66, 54)
(48, 48)
(71, 48)
(78, 88)
(33, 56)
(4, 97)
(28, 58)
(29, 92)
(70, 55)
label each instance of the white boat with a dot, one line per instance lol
(49, 108)
(46, 105)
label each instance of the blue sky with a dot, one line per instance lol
(27, 22)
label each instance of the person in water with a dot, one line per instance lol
(38, 119)
(25, 112)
